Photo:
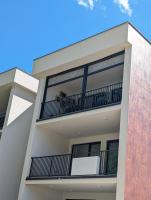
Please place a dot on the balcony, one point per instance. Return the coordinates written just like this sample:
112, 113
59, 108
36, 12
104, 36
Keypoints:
2, 119
93, 85
97, 98
67, 166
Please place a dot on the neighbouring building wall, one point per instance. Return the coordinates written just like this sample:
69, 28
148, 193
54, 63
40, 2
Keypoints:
14, 141
91, 196
138, 157
103, 138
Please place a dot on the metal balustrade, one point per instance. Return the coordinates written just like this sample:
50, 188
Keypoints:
101, 97
59, 166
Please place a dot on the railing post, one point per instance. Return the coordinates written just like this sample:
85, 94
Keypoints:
70, 166
50, 170
100, 168
84, 85
42, 109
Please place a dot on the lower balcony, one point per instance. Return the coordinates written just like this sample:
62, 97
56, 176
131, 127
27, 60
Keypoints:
69, 166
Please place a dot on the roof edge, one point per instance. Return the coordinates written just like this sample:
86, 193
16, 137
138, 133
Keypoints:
17, 76
15, 68
80, 41
127, 22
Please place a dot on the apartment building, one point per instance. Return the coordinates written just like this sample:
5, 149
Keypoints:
17, 95
90, 137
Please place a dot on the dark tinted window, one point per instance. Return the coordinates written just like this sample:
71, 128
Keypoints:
85, 150
112, 156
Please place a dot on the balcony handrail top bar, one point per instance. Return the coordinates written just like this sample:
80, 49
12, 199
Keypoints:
66, 154
70, 177
102, 151
78, 94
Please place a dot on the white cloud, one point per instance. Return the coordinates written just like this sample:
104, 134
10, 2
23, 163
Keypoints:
124, 6
87, 3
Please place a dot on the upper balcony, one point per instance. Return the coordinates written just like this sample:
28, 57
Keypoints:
94, 85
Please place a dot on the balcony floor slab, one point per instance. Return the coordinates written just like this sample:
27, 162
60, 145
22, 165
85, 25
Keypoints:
106, 184
93, 122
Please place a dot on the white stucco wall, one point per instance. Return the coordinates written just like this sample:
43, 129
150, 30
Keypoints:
40, 193
45, 193
48, 143
87, 196
19, 77
83, 52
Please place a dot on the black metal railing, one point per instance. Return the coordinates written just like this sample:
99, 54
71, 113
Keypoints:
108, 95
2, 119
60, 165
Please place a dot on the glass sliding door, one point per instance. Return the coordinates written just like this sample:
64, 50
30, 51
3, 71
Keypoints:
112, 156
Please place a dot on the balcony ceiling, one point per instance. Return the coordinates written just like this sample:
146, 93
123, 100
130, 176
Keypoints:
97, 121
79, 185
4, 96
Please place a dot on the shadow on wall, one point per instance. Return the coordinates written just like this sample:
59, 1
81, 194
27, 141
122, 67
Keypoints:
18, 107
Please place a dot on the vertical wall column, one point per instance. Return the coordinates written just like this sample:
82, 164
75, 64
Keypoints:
123, 126
138, 154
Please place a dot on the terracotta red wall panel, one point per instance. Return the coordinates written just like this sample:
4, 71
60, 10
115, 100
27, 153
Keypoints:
138, 158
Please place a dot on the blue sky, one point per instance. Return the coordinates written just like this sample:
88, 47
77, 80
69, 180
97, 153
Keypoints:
32, 28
